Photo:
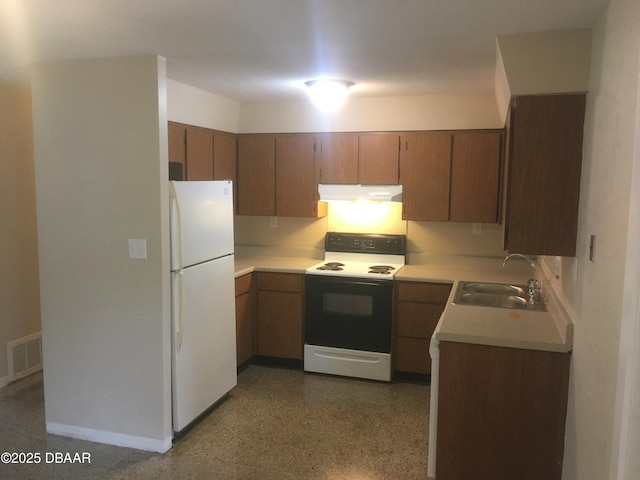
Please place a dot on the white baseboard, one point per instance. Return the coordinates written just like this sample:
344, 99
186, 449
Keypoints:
110, 438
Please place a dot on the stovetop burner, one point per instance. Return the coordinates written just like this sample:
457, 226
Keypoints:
361, 255
332, 266
381, 269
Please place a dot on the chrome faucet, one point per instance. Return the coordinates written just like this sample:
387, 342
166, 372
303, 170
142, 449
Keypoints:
534, 294
519, 255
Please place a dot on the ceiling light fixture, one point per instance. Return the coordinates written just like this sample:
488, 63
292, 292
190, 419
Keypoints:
328, 94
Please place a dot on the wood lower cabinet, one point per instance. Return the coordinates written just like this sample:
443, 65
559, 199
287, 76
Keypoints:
280, 315
245, 318
542, 174
501, 413
418, 307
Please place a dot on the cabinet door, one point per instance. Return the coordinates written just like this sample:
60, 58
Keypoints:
177, 150
280, 324
425, 168
475, 176
502, 410
378, 157
279, 310
418, 309
176, 132
296, 176
245, 319
224, 157
256, 175
339, 153
199, 153
543, 187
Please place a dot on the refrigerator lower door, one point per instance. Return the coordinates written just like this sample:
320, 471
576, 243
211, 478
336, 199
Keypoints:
204, 338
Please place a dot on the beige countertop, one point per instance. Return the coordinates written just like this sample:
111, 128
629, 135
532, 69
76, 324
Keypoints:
549, 331
247, 264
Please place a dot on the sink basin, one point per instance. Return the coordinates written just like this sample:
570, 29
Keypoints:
495, 288
497, 295
493, 300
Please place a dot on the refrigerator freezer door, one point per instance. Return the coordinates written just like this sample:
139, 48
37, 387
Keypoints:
201, 222
204, 344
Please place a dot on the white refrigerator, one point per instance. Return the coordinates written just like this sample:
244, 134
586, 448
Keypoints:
202, 297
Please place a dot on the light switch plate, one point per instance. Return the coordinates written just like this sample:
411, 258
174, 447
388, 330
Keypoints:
138, 248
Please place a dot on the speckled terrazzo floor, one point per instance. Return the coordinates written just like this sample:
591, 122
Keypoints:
278, 423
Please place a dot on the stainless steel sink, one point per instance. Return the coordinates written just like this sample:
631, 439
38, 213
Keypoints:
498, 295
495, 288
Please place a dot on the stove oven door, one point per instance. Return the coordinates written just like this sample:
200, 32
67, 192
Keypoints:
349, 313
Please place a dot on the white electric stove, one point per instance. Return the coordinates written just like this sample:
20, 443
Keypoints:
349, 305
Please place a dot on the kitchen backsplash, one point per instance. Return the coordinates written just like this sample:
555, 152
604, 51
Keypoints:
429, 239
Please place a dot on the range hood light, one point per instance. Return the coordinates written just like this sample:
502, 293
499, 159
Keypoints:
360, 193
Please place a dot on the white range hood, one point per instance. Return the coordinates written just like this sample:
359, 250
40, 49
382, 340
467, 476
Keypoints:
355, 193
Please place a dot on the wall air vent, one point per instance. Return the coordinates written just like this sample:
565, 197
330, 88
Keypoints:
24, 356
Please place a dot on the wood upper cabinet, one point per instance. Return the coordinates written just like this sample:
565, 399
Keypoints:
297, 175
280, 315
501, 413
204, 154
224, 157
177, 150
378, 157
199, 144
425, 170
339, 157
256, 175
475, 176
542, 182
367, 158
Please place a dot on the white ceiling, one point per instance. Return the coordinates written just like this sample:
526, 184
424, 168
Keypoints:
261, 50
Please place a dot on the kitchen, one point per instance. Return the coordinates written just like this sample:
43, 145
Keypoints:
595, 296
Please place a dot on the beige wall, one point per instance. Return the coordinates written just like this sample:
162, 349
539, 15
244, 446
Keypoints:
546, 62
19, 289
435, 112
100, 143
595, 428
193, 106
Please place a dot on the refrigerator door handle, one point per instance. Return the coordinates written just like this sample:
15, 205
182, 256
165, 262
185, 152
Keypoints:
178, 313
177, 244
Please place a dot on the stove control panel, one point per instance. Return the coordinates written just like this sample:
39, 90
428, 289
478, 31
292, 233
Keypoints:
365, 242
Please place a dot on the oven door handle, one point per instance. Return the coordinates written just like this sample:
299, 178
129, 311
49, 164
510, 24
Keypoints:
353, 357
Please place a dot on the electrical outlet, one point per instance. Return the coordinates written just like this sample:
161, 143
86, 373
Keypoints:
273, 222
477, 229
